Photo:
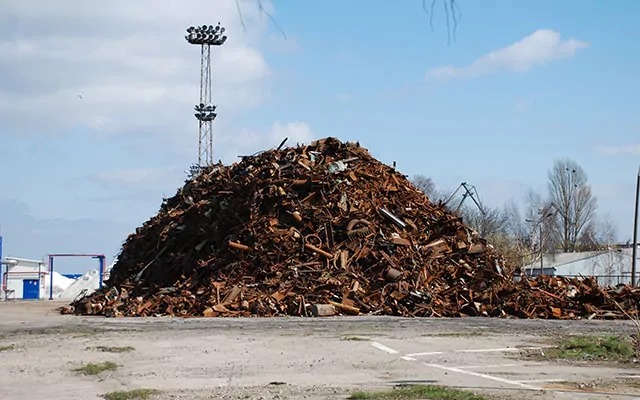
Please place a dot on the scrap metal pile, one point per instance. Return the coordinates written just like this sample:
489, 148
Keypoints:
321, 230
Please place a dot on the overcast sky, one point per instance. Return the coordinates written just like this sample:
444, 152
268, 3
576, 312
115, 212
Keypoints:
96, 101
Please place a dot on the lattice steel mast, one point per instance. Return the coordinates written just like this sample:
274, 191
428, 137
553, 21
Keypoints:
205, 36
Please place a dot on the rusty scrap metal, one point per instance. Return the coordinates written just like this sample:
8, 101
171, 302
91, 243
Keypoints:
321, 230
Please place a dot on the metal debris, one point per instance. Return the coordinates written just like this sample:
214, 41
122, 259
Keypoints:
298, 231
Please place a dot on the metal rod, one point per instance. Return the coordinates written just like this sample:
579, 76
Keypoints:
51, 278
101, 260
1, 263
635, 232
541, 252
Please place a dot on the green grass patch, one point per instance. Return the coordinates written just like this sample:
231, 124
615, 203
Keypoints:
137, 394
418, 392
7, 348
355, 338
593, 347
112, 349
95, 369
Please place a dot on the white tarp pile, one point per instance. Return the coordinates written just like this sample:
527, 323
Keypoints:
60, 284
86, 284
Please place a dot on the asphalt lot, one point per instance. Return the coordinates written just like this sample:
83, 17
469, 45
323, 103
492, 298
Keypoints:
294, 358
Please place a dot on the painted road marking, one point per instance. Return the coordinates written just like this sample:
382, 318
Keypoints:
543, 380
504, 350
487, 366
382, 347
485, 376
507, 349
432, 353
408, 357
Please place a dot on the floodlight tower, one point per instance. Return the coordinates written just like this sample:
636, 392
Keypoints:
205, 36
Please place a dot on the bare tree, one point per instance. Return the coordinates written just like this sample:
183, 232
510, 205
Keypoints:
572, 200
517, 228
610, 260
428, 187
607, 232
491, 223
452, 14
500, 228
539, 230
424, 184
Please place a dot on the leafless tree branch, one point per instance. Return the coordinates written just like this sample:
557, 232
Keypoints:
573, 202
452, 14
451, 10
263, 11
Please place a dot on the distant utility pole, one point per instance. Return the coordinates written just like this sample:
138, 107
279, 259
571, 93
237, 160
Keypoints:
635, 232
205, 36
539, 224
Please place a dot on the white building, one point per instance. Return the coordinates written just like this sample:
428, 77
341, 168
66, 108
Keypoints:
30, 280
610, 267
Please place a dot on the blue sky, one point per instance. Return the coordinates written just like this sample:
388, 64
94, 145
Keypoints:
524, 83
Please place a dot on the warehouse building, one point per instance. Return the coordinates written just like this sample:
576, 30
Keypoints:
610, 267
23, 279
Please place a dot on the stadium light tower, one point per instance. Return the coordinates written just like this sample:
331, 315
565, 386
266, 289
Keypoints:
205, 36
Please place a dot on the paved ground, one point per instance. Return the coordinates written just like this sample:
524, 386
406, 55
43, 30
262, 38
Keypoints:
292, 358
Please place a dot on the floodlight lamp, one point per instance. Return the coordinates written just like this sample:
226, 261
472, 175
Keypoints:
224, 39
222, 30
191, 29
210, 28
204, 28
217, 28
201, 105
209, 108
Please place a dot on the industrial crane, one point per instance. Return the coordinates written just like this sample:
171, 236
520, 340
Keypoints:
469, 191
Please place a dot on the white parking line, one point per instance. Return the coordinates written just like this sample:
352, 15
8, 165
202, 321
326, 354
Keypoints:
490, 377
503, 350
408, 357
431, 353
382, 347
488, 350
487, 366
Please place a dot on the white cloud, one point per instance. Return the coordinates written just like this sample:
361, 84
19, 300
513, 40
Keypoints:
139, 178
249, 142
30, 237
625, 150
539, 48
128, 61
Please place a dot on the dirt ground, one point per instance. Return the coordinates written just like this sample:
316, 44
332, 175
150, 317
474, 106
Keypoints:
293, 358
